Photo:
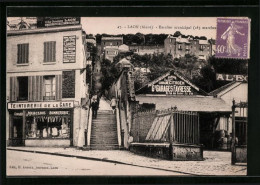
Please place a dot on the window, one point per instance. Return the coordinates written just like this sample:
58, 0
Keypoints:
49, 51
49, 87
22, 88
179, 47
48, 124
22, 53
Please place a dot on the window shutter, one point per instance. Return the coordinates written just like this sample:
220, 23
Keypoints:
13, 89
30, 89
41, 89
58, 87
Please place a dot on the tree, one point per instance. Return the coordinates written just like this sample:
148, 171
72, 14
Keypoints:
177, 34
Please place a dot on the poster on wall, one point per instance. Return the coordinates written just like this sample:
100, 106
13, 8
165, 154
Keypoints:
69, 49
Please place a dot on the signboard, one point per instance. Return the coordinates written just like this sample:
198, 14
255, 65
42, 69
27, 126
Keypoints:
42, 105
69, 49
43, 113
229, 77
172, 83
43, 22
172, 86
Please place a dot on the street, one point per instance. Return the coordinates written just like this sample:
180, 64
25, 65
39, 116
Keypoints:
30, 164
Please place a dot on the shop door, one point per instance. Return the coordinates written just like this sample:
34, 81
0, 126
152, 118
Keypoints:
17, 132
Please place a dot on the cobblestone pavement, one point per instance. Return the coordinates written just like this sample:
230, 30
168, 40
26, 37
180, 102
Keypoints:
214, 163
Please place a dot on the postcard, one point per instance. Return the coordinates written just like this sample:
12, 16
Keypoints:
127, 96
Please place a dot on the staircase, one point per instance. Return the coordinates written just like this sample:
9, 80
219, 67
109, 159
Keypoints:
104, 131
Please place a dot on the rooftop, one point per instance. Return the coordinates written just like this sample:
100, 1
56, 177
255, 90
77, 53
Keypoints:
43, 30
186, 103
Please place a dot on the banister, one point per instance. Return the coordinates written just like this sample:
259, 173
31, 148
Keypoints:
118, 127
89, 126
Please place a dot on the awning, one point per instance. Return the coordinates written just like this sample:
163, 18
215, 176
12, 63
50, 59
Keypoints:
186, 103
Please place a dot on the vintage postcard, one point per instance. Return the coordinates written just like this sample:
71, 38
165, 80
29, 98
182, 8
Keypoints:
127, 96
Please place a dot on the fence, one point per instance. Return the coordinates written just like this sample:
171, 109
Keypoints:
166, 126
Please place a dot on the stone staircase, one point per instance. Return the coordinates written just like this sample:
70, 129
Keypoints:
104, 131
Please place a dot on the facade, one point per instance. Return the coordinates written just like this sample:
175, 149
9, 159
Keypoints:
237, 91
46, 85
110, 41
179, 47
110, 52
142, 50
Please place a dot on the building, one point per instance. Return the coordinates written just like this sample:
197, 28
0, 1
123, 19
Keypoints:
123, 64
237, 91
110, 52
46, 86
173, 90
179, 47
110, 41
19, 23
91, 40
142, 50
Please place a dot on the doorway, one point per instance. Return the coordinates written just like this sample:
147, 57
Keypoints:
17, 132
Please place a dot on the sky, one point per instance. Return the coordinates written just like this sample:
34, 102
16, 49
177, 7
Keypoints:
156, 25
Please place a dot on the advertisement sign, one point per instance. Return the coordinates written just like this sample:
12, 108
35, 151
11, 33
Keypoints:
57, 21
42, 105
69, 49
171, 85
229, 77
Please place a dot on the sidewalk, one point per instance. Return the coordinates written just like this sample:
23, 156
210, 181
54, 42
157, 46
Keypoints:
215, 163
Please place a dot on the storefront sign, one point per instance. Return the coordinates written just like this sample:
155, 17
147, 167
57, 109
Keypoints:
36, 113
41, 105
229, 77
57, 21
69, 49
59, 113
171, 85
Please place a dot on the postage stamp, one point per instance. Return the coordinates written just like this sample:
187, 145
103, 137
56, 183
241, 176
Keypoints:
233, 38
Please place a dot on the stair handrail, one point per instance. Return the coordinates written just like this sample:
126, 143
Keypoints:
89, 126
118, 127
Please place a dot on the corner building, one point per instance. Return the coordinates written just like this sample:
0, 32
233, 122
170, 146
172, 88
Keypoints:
46, 85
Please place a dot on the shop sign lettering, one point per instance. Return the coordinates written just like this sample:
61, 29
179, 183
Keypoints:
41, 105
170, 85
172, 89
229, 77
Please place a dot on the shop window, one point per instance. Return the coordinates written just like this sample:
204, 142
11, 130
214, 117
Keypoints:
23, 53
47, 127
49, 88
49, 51
22, 88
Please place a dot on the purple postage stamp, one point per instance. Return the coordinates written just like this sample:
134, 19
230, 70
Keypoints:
233, 38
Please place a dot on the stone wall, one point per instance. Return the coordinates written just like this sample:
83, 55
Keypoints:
176, 152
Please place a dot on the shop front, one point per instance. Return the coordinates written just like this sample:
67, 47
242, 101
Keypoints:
41, 127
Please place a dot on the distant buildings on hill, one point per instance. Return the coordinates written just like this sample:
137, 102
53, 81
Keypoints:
179, 47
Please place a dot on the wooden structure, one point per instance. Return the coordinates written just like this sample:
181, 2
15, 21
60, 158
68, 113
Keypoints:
178, 130
239, 132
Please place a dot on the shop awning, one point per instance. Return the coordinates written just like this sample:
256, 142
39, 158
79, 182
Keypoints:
187, 103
